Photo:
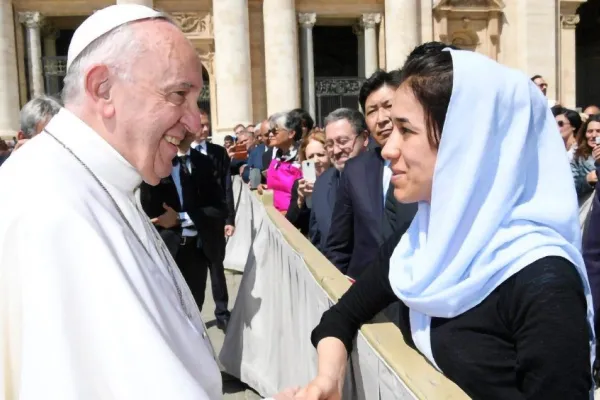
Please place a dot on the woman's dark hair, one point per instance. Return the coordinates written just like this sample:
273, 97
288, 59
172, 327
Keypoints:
306, 120
574, 119
557, 110
428, 73
583, 148
429, 48
295, 123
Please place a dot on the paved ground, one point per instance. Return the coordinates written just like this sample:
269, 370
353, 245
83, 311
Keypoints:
233, 389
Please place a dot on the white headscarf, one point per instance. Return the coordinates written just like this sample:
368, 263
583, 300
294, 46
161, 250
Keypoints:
502, 198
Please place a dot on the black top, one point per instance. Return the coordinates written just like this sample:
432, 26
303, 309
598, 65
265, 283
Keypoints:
529, 339
298, 216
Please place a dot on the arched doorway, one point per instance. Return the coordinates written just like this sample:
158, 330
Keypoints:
337, 80
587, 38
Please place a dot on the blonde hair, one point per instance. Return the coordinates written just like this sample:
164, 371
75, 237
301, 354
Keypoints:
315, 135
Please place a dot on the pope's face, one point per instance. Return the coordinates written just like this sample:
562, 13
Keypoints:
157, 106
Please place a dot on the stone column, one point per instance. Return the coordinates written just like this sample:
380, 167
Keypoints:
281, 55
568, 57
307, 21
369, 23
360, 36
33, 21
50, 34
232, 65
9, 80
147, 3
402, 31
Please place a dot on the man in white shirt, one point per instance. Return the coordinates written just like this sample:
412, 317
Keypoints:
97, 309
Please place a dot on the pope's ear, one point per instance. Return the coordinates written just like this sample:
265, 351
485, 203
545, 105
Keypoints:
98, 86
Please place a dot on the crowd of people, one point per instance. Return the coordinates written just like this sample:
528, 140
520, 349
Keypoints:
464, 214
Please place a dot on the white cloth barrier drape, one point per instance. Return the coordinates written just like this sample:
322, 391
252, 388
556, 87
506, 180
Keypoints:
239, 244
278, 304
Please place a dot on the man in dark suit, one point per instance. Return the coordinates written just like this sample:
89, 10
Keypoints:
221, 167
255, 156
366, 212
346, 136
187, 208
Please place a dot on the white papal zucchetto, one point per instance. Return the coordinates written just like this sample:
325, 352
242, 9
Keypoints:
103, 21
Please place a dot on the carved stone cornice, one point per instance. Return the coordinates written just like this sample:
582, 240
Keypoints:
31, 19
194, 24
468, 5
369, 21
208, 60
569, 21
307, 20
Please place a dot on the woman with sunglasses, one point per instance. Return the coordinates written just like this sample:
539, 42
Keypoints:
492, 286
285, 129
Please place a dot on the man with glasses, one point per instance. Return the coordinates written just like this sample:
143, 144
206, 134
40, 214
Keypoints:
346, 136
366, 212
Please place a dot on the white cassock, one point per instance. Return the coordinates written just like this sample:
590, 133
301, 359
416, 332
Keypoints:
86, 311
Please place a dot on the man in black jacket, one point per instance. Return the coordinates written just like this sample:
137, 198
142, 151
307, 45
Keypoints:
366, 212
221, 168
187, 208
346, 136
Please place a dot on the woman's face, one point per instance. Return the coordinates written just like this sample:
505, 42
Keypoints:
412, 158
592, 132
280, 137
564, 126
315, 151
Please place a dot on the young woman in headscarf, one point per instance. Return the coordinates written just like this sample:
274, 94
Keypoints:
492, 285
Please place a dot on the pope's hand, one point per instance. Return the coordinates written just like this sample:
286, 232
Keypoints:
167, 220
321, 388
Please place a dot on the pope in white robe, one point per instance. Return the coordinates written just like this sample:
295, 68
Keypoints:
92, 307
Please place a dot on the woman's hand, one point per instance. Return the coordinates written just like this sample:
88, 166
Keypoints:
596, 153
591, 177
321, 388
304, 189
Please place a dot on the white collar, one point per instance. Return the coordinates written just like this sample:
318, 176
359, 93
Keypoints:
196, 144
180, 154
95, 152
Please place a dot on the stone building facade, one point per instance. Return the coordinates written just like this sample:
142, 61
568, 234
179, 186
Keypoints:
264, 56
